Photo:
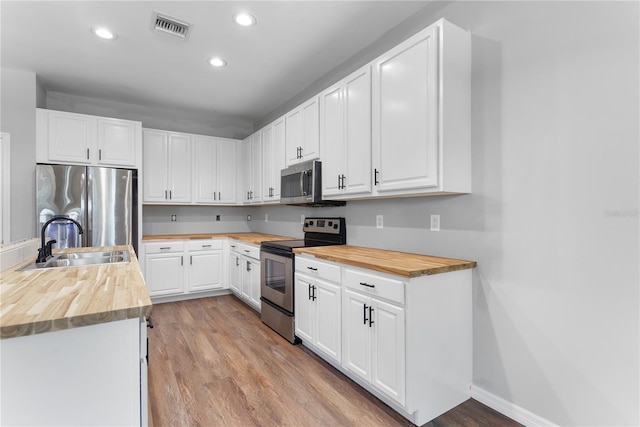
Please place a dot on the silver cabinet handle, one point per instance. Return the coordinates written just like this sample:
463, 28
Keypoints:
206, 246
87, 154
165, 248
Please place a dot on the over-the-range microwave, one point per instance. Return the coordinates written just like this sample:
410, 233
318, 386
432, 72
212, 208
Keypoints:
301, 184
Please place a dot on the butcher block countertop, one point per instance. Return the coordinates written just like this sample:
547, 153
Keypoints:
391, 262
254, 238
51, 299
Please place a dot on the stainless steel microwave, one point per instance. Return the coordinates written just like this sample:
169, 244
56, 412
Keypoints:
300, 184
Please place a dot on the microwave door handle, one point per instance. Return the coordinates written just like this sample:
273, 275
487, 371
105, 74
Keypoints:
302, 183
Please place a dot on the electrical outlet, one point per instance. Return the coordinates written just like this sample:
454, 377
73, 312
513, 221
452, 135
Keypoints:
435, 222
302, 219
266, 217
218, 217
379, 221
248, 217
174, 218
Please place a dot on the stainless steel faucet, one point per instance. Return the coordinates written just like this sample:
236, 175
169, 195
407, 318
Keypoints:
45, 249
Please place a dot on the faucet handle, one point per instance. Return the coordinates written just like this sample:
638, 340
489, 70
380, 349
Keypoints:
49, 247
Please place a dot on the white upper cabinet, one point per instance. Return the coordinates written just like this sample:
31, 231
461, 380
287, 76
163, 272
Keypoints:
252, 170
167, 167
303, 132
273, 159
421, 114
214, 170
89, 140
227, 171
116, 141
345, 136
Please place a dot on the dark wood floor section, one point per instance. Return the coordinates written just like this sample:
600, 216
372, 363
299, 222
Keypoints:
212, 362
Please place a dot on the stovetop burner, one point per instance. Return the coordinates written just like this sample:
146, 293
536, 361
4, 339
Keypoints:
318, 232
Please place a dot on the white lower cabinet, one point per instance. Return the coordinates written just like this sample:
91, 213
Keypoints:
373, 342
318, 314
164, 268
90, 375
244, 272
174, 268
406, 340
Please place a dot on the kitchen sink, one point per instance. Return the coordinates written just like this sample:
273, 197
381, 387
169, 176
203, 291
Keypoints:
77, 259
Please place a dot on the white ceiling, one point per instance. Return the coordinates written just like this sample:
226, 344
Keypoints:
293, 45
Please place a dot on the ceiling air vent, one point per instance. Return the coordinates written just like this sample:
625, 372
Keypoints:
170, 26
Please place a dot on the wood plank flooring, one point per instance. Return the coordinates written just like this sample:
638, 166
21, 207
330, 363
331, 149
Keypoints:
212, 362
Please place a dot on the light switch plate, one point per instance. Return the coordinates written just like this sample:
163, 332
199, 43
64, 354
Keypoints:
379, 221
266, 217
435, 222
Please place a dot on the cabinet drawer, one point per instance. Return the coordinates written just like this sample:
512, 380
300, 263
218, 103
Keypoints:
318, 269
245, 249
374, 285
204, 245
160, 247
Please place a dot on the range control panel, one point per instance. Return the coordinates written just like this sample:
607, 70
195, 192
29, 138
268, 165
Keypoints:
324, 225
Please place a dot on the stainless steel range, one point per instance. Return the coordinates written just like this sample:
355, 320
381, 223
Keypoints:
277, 262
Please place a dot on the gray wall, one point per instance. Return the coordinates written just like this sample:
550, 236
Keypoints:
553, 218
18, 118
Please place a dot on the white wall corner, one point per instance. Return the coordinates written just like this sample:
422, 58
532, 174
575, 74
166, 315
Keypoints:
509, 409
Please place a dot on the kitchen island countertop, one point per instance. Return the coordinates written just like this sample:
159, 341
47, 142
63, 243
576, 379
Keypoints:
52, 299
391, 262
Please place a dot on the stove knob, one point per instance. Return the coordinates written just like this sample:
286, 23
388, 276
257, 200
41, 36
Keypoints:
306, 224
330, 223
310, 222
335, 226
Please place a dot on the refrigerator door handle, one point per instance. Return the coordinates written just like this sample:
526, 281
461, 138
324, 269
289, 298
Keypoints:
89, 201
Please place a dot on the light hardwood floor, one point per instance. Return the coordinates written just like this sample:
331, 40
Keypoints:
212, 362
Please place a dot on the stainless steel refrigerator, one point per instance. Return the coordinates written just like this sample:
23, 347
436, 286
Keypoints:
102, 200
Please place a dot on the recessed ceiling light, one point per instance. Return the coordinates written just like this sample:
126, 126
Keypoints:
217, 62
103, 33
244, 19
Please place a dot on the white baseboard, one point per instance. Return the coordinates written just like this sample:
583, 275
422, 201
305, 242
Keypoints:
509, 409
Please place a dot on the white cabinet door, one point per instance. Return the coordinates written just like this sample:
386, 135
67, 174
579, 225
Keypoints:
117, 142
405, 114
388, 349
227, 173
305, 308
71, 137
303, 132
235, 273
273, 159
279, 157
311, 129
245, 281
179, 156
345, 136
356, 336
155, 173
254, 283
164, 273
332, 140
266, 135
205, 270
357, 140
204, 184
256, 168
327, 298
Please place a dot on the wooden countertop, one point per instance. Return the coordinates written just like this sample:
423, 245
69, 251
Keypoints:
254, 238
44, 300
392, 262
